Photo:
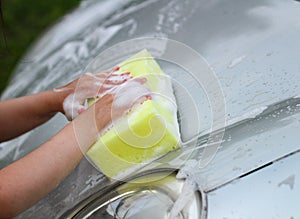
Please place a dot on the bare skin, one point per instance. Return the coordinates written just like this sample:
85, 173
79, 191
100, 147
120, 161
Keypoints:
29, 179
31, 111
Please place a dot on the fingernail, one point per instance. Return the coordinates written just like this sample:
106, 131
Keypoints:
148, 97
143, 80
126, 73
117, 68
81, 110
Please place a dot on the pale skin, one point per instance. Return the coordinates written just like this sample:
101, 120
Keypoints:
29, 179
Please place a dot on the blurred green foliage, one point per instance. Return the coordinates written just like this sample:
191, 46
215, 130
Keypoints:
23, 22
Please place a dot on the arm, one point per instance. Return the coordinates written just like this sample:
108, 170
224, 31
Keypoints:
29, 179
25, 113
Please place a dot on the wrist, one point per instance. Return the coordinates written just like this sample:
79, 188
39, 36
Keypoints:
57, 99
103, 111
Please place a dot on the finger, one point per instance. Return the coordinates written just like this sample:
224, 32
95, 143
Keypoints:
141, 80
118, 79
114, 69
148, 97
102, 75
124, 73
106, 73
144, 97
80, 109
117, 68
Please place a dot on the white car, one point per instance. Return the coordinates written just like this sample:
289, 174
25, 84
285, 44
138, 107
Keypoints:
253, 49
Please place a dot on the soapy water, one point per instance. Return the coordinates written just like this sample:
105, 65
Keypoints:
128, 94
289, 181
68, 60
90, 86
127, 97
183, 89
145, 140
189, 188
182, 92
185, 197
74, 104
190, 182
194, 83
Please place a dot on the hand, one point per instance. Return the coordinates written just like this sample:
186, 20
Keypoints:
89, 125
127, 95
89, 86
121, 99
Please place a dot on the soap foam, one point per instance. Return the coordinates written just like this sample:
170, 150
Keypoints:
90, 86
188, 190
184, 198
163, 100
125, 173
134, 92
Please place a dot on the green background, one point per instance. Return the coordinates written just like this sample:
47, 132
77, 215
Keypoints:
23, 22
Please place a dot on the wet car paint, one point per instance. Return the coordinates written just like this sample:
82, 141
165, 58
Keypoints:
252, 47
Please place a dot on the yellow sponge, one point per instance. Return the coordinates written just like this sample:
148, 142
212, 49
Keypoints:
148, 131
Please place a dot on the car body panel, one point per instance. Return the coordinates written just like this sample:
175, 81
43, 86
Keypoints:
253, 48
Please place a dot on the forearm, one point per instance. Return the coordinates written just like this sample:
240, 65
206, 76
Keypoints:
31, 178
25, 113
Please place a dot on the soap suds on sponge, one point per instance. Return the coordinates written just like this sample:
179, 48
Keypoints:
148, 131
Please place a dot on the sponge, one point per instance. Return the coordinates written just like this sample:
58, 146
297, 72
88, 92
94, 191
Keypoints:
147, 132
